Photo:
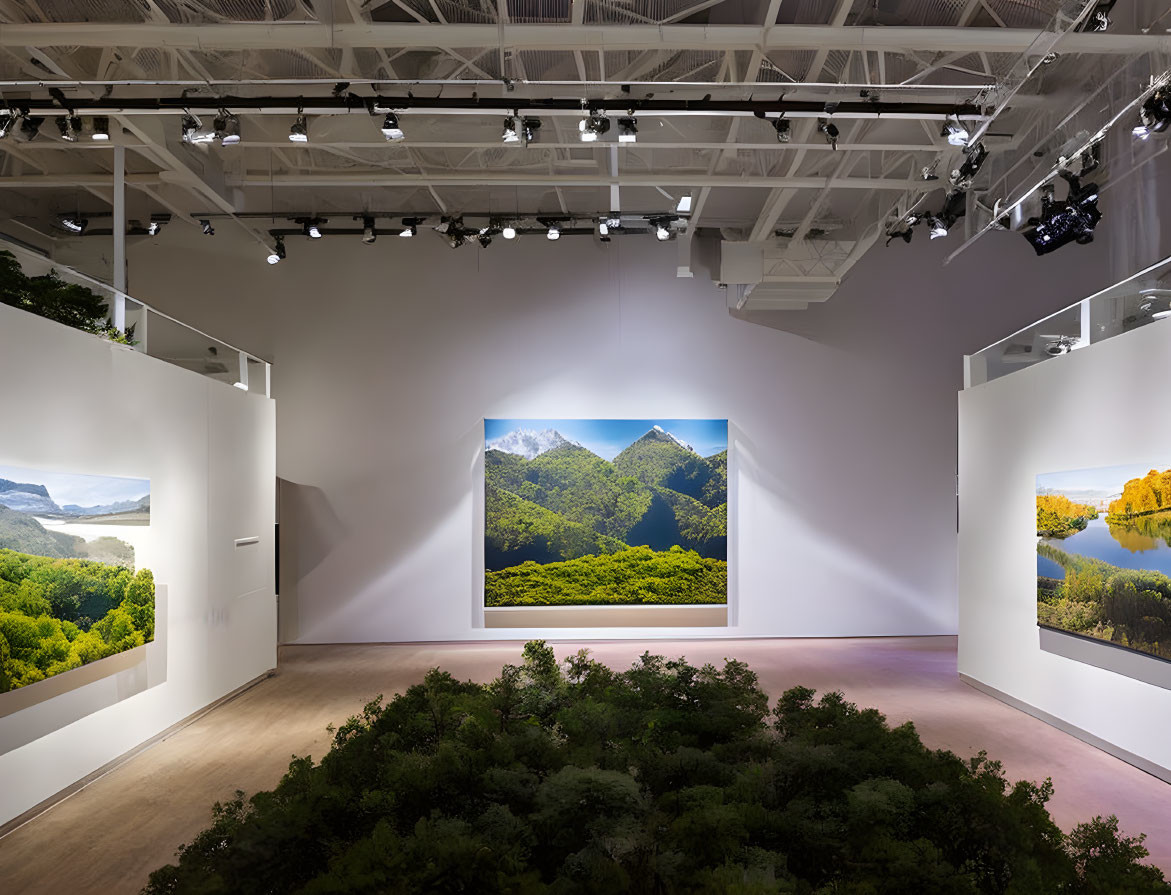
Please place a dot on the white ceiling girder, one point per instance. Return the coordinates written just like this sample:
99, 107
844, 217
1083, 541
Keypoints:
481, 178
567, 37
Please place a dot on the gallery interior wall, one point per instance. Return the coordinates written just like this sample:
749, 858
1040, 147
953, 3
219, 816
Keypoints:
842, 418
74, 403
1096, 407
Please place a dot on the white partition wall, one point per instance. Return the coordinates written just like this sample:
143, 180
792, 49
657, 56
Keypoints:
1099, 406
76, 403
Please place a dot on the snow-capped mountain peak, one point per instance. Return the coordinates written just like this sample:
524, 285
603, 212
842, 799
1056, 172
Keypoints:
682, 444
529, 443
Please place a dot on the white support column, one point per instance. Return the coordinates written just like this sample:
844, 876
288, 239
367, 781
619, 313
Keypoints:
120, 238
268, 380
615, 194
242, 380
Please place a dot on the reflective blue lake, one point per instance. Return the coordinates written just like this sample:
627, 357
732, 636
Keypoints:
1142, 544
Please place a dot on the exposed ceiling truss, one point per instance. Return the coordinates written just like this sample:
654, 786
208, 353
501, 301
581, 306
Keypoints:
697, 74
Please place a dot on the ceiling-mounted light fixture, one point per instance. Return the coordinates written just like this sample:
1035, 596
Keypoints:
553, 231
208, 229
1060, 223
955, 132
784, 132
369, 234
299, 129
74, 223
277, 254
1155, 113
410, 227
510, 133
390, 128
101, 130
627, 130
529, 128
70, 128
7, 119
485, 236
683, 206
830, 131
227, 128
662, 228
508, 231
614, 220
195, 132
311, 228
603, 230
155, 227
592, 127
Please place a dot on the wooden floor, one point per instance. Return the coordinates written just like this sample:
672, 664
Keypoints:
110, 835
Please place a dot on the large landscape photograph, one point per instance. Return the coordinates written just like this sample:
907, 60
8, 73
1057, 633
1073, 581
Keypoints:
605, 512
1104, 555
69, 590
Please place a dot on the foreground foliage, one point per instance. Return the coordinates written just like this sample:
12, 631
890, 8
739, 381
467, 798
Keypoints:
60, 614
50, 296
665, 778
1130, 607
1060, 517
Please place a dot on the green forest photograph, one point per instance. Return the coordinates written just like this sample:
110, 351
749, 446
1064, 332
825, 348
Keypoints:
1104, 555
605, 512
69, 590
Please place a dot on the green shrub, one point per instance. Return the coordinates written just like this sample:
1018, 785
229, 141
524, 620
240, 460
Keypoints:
664, 778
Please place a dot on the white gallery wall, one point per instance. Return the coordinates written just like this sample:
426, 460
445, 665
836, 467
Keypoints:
388, 357
1099, 406
74, 403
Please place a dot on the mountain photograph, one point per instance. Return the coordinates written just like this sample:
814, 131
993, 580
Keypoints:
69, 590
603, 512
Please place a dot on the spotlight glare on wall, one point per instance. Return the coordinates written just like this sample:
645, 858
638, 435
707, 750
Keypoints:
627, 130
369, 234
593, 127
101, 128
391, 129
299, 130
208, 229
278, 251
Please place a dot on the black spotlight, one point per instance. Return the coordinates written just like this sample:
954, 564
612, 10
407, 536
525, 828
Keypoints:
208, 229
1155, 114
830, 130
369, 234
783, 130
1060, 223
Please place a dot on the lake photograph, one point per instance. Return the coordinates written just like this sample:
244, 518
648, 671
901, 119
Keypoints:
605, 512
70, 592
1103, 544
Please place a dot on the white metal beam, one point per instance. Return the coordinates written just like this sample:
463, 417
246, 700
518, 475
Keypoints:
566, 37
496, 178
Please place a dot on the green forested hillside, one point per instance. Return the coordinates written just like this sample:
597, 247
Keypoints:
569, 504
58, 614
634, 575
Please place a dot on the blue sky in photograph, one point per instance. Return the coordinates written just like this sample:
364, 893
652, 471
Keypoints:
607, 438
1105, 479
83, 490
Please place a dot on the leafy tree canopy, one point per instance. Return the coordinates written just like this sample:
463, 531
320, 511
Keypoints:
666, 778
50, 296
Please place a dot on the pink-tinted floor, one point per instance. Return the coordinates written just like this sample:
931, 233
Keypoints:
109, 836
